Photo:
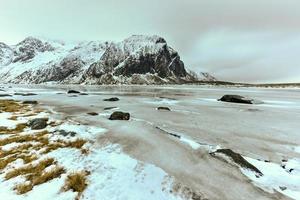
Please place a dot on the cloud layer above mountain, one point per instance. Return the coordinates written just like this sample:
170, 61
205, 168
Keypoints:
250, 41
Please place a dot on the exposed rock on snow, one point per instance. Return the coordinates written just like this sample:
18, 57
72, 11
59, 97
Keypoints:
237, 159
73, 92
30, 102
164, 108
236, 99
24, 94
112, 99
136, 60
38, 123
118, 115
109, 108
92, 113
65, 133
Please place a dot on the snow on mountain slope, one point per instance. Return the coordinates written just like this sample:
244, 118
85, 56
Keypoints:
6, 54
136, 60
204, 76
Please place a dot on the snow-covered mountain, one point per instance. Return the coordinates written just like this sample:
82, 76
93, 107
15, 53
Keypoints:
136, 60
204, 76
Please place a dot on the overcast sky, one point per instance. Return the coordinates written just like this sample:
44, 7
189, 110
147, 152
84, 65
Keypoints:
235, 40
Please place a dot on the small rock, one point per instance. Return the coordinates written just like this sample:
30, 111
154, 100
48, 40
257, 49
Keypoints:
109, 108
92, 113
236, 99
5, 95
24, 94
30, 102
282, 188
38, 123
66, 133
169, 98
112, 99
73, 92
290, 170
253, 110
284, 160
119, 116
164, 108
83, 94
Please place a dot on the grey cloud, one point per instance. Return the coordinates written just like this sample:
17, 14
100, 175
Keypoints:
229, 38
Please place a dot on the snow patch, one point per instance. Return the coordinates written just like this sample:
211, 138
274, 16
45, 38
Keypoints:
275, 177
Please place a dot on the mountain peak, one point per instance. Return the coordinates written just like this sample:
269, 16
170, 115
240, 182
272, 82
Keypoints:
145, 38
139, 59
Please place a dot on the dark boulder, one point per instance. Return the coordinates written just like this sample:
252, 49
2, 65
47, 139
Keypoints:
73, 92
30, 102
164, 108
118, 115
112, 99
282, 188
38, 123
236, 99
237, 159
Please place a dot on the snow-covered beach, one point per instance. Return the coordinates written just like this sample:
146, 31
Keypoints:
160, 154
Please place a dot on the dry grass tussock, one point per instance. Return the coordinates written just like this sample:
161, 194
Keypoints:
39, 178
19, 128
12, 106
77, 182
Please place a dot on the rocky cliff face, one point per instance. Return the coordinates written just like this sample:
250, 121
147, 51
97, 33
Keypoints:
136, 60
6, 54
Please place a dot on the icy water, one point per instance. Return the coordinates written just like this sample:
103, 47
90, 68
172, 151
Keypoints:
266, 135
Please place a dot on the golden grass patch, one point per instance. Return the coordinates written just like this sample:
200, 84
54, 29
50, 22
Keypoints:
19, 129
23, 188
5, 161
37, 178
77, 144
47, 176
30, 169
30, 148
77, 182
9, 106
14, 118
12, 106
24, 151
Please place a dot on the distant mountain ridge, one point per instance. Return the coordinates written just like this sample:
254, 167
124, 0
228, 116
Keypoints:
138, 59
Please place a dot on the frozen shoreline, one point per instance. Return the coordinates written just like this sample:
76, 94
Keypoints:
267, 132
